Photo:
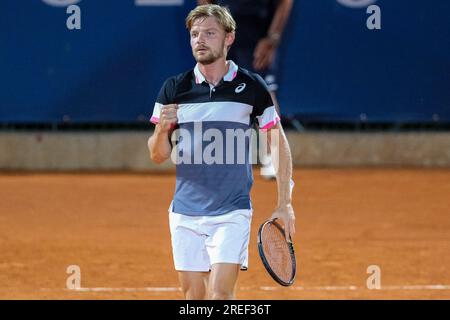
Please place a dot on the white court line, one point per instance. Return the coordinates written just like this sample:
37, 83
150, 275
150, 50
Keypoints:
148, 289
279, 288
418, 287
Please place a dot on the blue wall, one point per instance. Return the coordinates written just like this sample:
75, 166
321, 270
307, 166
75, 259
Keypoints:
333, 67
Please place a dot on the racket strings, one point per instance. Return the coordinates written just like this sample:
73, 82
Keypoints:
277, 253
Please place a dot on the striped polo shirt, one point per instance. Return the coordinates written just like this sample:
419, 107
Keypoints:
212, 140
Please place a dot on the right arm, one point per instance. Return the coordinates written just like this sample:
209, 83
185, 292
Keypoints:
158, 144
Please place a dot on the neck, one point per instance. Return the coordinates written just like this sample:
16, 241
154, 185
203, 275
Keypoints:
215, 71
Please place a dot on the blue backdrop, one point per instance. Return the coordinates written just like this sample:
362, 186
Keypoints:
333, 68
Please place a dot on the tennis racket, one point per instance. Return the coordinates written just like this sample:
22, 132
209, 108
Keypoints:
276, 253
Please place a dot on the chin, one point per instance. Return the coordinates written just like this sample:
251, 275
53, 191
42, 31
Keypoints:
205, 60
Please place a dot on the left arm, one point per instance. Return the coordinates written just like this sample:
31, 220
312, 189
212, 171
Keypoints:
282, 160
265, 49
279, 19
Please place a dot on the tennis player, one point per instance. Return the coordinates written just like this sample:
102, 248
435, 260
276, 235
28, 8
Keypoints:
211, 211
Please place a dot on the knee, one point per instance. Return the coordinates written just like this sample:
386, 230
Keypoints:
220, 295
193, 285
193, 293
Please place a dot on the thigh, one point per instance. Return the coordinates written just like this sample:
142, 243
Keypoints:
222, 280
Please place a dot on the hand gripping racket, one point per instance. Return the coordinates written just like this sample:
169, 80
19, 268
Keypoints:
276, 253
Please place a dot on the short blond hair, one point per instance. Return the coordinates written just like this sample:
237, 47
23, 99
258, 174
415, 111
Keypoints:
222, 15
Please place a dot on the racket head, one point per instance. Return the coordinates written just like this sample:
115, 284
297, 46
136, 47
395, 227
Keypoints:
277, 255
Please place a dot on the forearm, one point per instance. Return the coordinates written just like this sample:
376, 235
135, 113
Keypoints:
201, 2
280, 19
281, 155
159, 145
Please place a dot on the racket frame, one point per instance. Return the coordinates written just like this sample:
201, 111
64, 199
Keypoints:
263, 257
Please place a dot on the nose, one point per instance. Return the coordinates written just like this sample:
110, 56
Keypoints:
201, 38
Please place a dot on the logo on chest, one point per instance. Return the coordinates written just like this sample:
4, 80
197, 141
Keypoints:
240, 88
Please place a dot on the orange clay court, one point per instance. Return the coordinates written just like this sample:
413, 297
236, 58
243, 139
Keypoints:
114, 227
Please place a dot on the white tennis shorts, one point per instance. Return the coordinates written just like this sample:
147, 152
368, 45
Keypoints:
201, 241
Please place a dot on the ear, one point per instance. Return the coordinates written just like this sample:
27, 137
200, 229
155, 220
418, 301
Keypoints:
229, 39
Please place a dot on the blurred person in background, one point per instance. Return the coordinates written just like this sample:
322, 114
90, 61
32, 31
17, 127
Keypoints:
261, 24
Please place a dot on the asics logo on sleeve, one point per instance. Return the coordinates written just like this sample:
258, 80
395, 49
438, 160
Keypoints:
240, 88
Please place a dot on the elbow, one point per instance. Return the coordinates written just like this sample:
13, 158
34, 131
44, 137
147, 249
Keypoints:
153, 155
156, 159
157, 155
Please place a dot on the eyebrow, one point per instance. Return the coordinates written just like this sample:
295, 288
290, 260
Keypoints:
209, 29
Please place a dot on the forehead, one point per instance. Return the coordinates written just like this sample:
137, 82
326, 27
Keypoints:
206, 23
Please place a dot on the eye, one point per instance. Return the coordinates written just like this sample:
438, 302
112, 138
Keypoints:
194, 34
210, 33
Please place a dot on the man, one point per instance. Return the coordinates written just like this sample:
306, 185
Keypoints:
260, 24
210, 214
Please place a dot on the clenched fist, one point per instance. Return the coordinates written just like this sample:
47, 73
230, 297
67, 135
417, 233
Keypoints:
168, 117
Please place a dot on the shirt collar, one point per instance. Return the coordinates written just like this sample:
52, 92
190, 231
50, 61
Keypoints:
229, 76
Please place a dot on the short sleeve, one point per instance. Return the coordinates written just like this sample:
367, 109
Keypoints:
165, 96
264, 110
